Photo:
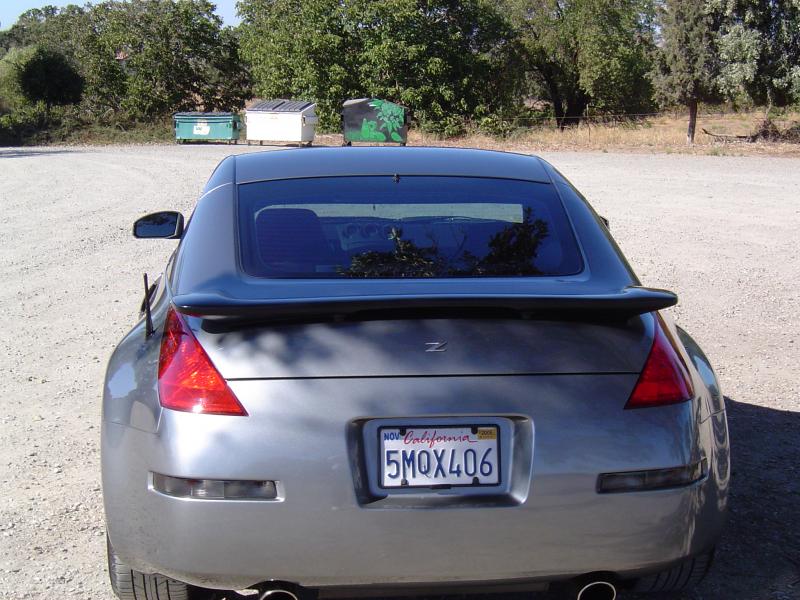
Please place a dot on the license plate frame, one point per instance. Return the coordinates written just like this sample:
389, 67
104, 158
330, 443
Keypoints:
441, 427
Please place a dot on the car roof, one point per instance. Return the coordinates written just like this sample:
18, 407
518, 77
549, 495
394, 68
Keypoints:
206, 271
370, 160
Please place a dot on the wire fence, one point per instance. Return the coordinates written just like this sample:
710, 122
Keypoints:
608, 120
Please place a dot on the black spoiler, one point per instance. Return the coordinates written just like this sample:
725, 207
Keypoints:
628, 302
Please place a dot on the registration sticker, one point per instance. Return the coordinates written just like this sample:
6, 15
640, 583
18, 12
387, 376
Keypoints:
487, 433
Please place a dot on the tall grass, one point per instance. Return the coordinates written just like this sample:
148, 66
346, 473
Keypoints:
666, 133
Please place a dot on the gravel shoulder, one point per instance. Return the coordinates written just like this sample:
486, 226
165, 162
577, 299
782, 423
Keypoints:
722, 232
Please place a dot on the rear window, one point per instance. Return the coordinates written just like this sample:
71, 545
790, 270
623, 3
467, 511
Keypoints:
378, 227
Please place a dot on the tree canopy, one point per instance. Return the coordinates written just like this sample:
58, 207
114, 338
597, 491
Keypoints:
759, 47
445, 60
47, 76
141, 59
687, 67
587, 52
155, 57
453, 63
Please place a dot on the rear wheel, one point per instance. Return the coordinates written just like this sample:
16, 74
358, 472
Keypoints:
133, 585
683, 576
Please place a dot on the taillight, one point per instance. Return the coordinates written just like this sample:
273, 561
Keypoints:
664, 379
187, 379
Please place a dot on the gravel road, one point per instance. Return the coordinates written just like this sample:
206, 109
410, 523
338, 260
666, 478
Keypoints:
723, 232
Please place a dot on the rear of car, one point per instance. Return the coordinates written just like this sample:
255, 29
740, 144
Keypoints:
401, 368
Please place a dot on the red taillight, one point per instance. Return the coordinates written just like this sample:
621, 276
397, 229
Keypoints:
187, 379
664, 379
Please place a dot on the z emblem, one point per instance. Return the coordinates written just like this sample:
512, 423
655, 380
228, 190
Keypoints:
436, 346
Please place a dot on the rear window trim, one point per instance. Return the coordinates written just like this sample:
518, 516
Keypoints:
581, 274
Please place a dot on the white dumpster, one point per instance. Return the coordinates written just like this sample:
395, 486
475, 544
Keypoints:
281, 121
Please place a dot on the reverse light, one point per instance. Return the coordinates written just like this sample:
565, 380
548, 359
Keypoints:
214, 489
187, 379
665, 378
655, 479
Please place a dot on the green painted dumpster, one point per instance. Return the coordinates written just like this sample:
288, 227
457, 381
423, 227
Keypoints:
374, 120
207, 126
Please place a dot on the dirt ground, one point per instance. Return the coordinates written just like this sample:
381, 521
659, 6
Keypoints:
723, 232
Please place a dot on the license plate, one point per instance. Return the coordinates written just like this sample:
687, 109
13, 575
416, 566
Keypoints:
439, 456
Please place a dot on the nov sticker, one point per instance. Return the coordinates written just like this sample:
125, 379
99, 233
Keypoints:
201, 129
487, 433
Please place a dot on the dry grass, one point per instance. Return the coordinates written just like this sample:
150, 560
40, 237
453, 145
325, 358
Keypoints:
660, 134
665, 134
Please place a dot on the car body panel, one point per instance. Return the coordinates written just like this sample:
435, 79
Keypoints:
322, 162
329, 530
395, 348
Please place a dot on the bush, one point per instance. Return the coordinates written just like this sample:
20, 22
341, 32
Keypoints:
11, 94
496, 125
47, 76
35, 84
28, 124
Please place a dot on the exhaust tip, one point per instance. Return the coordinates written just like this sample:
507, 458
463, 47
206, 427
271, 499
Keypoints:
597, 590
278, 594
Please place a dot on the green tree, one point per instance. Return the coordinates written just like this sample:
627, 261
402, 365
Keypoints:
687, 67
301, 49
227, 82
445, 60
68, 31
48, 27
172, 55
11, 95
759, 46
586, 52
47, 76
142, 59
99, 55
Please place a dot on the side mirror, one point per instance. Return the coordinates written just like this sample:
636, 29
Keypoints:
166, 225
605, 222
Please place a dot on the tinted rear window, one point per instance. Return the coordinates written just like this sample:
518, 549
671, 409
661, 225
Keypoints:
377, 227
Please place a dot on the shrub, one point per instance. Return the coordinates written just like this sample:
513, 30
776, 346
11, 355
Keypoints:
11, 94
27, 124
47, 76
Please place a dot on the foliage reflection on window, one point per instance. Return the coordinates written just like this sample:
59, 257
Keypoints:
512, 251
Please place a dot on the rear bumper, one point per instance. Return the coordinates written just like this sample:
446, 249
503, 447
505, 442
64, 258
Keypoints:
323, 534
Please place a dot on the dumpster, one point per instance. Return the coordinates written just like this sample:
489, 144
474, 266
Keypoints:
281, 121
207, 126
374, 120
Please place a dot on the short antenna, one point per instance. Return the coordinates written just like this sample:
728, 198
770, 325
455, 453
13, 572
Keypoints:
148, 317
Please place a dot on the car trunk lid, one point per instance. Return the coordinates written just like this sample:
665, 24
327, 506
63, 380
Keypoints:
430, 345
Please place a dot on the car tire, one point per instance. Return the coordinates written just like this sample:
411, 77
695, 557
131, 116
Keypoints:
683, 576
128, 584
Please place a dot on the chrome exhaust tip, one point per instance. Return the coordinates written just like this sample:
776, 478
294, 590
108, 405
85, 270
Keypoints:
278, 594
597, 590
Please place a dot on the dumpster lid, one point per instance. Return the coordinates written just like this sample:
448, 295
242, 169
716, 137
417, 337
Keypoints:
203, 114
280, 106
355, 101
360, 100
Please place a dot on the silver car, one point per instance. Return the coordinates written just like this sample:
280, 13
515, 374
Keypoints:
401, 370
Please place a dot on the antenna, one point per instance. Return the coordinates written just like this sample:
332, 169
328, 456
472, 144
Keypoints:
148, 318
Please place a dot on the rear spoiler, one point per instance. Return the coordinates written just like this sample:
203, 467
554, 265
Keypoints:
628, 302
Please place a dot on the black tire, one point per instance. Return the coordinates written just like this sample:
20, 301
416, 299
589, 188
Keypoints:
133, 585
683, 576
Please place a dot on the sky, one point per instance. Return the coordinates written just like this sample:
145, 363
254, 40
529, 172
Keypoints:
11, 9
